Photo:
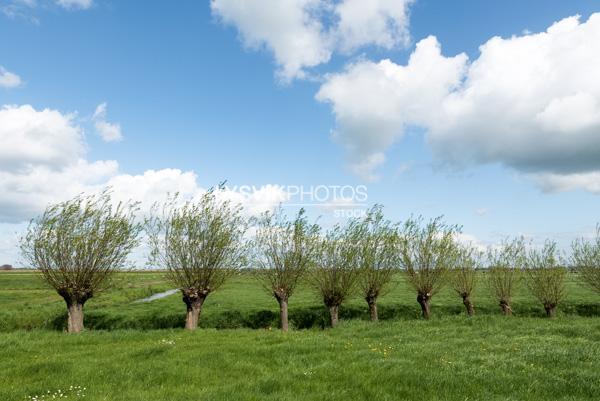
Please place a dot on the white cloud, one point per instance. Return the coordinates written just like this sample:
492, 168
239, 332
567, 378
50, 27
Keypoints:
110, 132
552, 182
380, 22
75, 4
482, 211
374, 102
154, 186
43, 160
528, 102
285, 27
305, 33
258, 200
43, 138
100, 112
27, 192
9, 79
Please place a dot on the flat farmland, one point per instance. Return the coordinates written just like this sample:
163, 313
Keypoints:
138, 350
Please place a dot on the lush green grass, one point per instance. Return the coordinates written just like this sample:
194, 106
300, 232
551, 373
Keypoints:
26, 303
450, 357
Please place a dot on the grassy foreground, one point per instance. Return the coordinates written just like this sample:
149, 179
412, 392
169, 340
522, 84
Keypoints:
485, 358
125, 357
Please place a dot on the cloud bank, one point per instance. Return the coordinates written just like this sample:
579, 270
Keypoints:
43, 160
529, 102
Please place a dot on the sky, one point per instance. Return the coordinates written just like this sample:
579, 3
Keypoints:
485, 112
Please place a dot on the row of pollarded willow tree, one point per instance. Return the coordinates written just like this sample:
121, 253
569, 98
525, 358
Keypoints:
78, 244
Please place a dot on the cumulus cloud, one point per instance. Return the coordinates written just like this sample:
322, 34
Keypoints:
26, 193
383, 23
9, 79
374, 102
529, 102
43, 160
44, 138
286, 27
305, 33
110, 132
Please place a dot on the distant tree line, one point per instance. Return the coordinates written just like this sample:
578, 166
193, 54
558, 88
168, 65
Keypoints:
78, 244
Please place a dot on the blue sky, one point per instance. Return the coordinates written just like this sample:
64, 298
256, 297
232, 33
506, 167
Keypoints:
188, 86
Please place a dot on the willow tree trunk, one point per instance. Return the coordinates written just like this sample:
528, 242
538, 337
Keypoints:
424, 300
550, 310
505, 306
372, 302
75, 321
333, 313
468, 304
194, 309
283, 314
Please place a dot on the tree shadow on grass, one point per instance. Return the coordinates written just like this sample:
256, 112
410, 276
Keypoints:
300, 318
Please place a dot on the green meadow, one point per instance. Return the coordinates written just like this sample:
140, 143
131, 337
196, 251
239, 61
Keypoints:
138, 350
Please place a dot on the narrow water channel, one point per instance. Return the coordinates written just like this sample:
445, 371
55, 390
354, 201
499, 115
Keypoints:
158, 295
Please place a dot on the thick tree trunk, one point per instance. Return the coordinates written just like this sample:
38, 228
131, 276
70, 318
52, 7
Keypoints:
372, 302
506, 309
468, 304
75, 322
333, 312
283, 314
550, 310
424, 300
193, 303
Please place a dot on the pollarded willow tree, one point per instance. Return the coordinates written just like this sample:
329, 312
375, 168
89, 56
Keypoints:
336, 271
464, 275
285, 251
377, 255
78, 244
427, 252
504, 271
586, 260
545, 276
201, 244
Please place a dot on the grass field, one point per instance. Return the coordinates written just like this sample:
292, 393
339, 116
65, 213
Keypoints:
137, 351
